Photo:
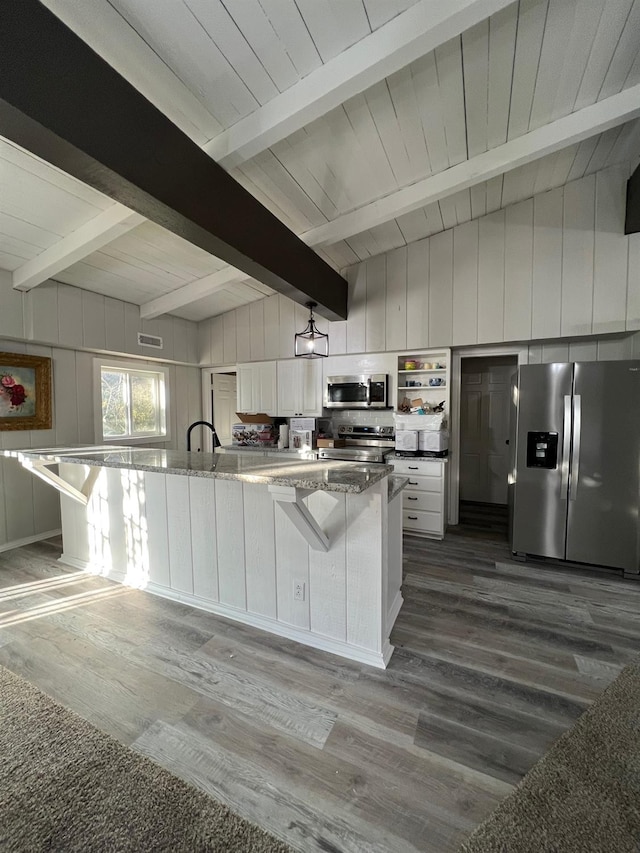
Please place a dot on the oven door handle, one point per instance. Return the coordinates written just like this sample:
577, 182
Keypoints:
369, 391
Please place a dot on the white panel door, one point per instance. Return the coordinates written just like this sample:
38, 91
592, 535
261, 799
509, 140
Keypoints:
484, 430
224, 404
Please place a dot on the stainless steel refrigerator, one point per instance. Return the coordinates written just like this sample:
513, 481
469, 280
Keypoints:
574, 491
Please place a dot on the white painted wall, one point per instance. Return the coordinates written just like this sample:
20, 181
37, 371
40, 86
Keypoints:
60, 318
556, 265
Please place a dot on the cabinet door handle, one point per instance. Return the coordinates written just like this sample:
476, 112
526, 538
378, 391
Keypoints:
413, 482
413, 467
412, 517
411, 499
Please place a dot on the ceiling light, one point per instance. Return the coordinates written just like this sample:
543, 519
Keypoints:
310, 343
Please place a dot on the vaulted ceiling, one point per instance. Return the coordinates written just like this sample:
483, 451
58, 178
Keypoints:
362, 124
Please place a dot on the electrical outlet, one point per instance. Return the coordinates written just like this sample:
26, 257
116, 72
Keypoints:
298, 590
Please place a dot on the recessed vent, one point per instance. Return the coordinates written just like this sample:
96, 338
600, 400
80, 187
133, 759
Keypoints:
149, 340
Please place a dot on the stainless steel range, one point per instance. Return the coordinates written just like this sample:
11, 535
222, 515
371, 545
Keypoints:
363, 444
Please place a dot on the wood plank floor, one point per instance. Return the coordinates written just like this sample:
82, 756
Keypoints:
494, 659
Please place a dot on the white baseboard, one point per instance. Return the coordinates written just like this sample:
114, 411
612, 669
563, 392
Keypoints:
18, 543
398, 601
307, 638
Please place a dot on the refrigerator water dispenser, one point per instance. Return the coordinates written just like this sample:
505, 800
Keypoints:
542, 450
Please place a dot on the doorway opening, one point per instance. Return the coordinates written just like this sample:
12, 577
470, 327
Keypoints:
484, 442
219, 404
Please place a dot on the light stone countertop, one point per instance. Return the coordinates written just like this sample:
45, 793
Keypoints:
242, 448
396, 485
325, 475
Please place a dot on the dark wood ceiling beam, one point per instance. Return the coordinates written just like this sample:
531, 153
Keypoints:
64, 103
632, 218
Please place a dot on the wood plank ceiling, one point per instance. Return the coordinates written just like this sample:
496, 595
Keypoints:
210, 65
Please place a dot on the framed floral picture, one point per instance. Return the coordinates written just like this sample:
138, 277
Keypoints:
25, 391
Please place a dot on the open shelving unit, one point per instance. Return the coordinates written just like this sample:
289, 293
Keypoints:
429, 393
424, 501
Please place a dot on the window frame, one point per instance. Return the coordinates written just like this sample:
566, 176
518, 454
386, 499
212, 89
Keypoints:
118, 366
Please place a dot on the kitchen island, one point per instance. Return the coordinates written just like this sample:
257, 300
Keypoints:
310, 550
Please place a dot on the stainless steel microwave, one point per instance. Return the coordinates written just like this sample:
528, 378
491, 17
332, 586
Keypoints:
366, 391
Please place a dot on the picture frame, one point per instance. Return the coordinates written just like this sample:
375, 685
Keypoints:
25, 391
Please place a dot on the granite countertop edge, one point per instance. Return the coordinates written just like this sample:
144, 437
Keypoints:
396, 485
347, 477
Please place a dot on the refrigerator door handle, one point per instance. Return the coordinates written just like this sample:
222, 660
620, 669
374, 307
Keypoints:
566, 448
575, 463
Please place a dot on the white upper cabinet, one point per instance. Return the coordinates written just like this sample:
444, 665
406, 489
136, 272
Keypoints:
288, 397
257, 387
300, 388
245, 387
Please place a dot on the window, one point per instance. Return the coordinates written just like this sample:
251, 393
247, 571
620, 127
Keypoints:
131, 402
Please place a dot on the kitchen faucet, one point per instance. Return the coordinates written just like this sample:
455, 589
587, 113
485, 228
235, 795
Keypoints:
216, 440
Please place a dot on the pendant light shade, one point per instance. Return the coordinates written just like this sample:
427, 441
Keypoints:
310, 343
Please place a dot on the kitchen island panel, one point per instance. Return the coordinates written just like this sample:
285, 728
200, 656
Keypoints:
227, 546
328, 569
154, 504
230, 522
366, 546
180, 561
260, 551
117, 538
204, 552
292, 566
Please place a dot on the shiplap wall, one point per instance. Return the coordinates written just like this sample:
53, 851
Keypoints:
29, 507
59, 314
556, 265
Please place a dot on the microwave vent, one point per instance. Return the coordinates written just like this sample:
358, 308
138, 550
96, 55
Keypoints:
153, 341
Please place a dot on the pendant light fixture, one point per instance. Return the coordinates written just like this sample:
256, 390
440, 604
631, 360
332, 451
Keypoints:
310, 343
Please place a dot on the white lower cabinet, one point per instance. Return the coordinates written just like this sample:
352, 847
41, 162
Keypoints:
424, 501
257, 385
300, 388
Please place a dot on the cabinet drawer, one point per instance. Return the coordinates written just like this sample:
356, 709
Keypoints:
412, 500
424, 484
420, 520
423, 469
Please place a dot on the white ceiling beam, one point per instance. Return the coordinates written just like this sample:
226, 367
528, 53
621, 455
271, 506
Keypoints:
559, 134
93, 235
409, 36
422, 28
191, 292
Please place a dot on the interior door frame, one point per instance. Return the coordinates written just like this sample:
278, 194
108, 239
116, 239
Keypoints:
521, 352
207, 409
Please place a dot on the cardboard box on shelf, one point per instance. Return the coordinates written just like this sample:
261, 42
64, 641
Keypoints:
302, 424
259, 418
331, 442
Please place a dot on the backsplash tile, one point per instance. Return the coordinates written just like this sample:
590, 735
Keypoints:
361, 416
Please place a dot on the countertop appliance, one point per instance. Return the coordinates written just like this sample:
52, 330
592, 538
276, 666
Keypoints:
364, 443
364, 391
574, 491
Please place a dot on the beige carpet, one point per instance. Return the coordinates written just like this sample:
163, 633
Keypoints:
66, 786
583, 796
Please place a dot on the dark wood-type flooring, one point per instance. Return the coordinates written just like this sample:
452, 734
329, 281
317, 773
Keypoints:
494, 659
